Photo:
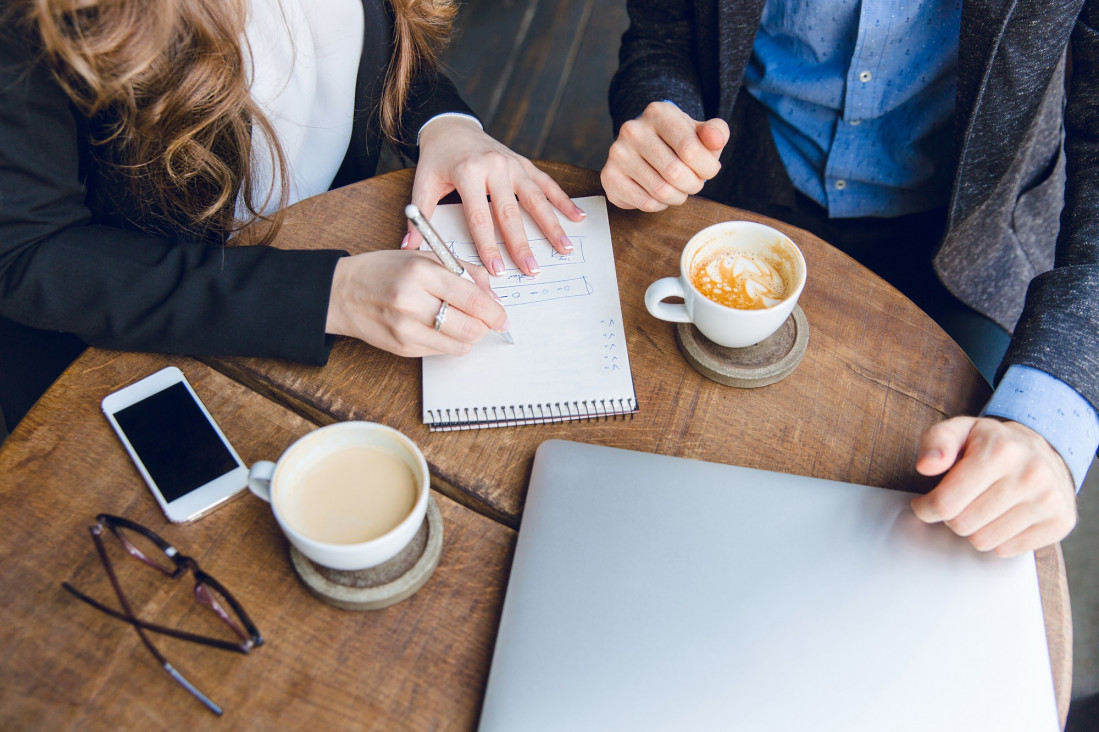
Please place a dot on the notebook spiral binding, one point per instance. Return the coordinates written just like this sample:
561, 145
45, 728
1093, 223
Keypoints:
471, 418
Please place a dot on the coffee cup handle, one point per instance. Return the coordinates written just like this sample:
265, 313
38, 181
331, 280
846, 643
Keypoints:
664, 288
259, 479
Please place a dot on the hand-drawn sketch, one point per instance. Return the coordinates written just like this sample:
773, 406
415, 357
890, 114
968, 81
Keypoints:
532, 292
610, 359
546, 255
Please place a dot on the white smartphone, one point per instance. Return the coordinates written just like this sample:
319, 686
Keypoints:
177, 446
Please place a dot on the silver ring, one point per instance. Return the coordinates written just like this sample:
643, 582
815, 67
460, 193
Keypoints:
441, 316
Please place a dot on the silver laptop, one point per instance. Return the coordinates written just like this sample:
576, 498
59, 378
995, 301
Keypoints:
657, 593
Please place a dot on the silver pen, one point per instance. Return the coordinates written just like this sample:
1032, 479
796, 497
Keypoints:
452, 263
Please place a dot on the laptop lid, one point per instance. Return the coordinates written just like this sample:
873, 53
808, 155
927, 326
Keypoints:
651, 592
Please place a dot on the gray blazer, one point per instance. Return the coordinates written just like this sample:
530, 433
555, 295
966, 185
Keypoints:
1025, 151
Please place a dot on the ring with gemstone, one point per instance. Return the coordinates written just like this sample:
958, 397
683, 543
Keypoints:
441, 316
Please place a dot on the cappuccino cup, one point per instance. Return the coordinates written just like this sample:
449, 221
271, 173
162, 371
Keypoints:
349, 495
739, 281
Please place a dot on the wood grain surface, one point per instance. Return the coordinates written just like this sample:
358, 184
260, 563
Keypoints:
421, 664
877, 372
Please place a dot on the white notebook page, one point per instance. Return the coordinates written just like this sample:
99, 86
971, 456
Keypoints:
569, 359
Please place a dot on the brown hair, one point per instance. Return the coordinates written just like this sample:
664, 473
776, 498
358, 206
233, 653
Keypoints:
421, 29
173, 80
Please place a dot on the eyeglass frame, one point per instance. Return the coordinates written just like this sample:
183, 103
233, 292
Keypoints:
245, 630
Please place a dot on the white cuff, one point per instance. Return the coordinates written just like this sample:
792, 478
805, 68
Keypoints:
446, 114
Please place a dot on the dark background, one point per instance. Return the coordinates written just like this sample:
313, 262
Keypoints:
537, 73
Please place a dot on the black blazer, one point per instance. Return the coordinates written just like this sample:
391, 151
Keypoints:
77, 256
1009, 251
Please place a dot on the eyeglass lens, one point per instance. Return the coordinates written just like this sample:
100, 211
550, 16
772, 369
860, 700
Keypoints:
145, 549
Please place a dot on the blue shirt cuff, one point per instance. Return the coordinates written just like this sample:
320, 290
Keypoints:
1054, 410
664, 101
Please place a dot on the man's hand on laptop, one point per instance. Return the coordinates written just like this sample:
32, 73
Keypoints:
1005, 488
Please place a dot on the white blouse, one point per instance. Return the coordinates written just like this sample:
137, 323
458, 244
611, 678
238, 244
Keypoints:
303, 59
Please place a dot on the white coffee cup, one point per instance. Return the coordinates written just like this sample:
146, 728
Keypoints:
274, 483
724, 325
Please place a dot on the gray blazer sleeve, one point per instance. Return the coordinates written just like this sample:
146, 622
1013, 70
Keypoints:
657, 61
1058, 331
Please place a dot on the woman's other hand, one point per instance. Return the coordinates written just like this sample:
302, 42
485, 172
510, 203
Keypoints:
390, 299
455, 154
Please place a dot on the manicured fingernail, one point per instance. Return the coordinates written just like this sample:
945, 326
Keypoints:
496, 266
579, 210
566, 243
507, 325
404, 242
498, 298
532, 265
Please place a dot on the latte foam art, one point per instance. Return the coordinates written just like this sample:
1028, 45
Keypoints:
739, 280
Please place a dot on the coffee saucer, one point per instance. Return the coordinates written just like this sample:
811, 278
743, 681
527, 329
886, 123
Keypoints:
771, 360
377, 587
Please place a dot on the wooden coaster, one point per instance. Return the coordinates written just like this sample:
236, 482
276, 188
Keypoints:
747, 368
388, 583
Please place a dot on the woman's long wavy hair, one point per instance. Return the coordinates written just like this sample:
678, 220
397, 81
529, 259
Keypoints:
172, 78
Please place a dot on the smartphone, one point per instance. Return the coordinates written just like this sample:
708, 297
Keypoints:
177, 446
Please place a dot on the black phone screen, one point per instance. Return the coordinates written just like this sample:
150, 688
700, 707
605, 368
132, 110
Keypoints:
175, 441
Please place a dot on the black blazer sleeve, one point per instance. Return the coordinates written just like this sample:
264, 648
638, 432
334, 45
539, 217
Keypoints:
121, 288
431, 94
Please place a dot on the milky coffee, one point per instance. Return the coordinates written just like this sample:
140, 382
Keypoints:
355, 494
739, 279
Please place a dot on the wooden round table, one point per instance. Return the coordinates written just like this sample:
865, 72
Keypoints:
876, 374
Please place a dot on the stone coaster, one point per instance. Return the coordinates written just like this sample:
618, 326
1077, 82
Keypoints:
384, 585
764, 363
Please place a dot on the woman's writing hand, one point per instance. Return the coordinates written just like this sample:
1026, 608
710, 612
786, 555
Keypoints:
390, 299
661, 157
455, 154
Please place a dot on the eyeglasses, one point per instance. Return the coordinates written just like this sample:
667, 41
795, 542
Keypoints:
150, 549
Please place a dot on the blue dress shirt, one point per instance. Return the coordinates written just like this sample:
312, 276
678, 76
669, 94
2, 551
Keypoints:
860, 97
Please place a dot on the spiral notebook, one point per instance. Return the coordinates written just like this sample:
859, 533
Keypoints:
569, 360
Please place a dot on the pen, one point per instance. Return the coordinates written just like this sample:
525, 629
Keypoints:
442, 251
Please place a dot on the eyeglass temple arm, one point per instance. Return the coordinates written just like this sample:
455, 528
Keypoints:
191, 688
96, 536
182, 635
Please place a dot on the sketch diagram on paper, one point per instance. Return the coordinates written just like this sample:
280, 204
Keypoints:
610, 346
546, 255
532, 292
